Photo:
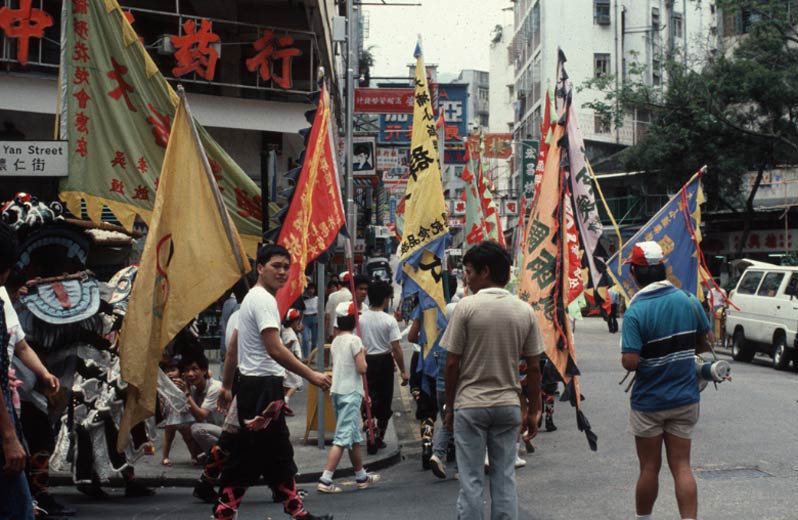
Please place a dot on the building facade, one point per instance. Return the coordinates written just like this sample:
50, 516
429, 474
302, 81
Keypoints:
252, 109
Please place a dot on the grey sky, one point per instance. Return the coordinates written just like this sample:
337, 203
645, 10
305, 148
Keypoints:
455, 34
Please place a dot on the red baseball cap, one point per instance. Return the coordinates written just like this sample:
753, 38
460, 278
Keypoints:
345, 309
646, 253
292, 314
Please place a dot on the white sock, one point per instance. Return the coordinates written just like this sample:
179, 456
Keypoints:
642, 517
361, 475
326, 477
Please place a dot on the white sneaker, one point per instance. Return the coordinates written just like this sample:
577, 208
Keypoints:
519, 462
487, 461
438, 468
371, 479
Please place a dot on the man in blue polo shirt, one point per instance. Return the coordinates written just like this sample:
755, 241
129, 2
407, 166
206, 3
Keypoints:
663, 328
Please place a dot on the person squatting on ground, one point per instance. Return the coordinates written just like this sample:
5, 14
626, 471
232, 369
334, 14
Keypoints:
15, 498
263, 445
292, 324
486, 335
663, 329
202, 392
176, 421
349, 367
380, 334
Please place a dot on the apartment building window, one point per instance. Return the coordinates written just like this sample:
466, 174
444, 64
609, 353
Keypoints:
483, 93
601, 124
656, 72
678, 25
655, 18
601, 65
601, 12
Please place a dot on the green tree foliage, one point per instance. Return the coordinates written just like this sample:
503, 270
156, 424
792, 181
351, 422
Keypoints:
734, 110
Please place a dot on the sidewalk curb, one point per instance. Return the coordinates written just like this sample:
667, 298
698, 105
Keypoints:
391, 457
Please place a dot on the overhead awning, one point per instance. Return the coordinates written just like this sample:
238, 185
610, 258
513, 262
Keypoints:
38, 95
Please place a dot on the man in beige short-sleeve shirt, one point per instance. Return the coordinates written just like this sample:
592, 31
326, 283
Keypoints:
486, 336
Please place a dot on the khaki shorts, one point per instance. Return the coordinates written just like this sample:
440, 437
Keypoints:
676, 421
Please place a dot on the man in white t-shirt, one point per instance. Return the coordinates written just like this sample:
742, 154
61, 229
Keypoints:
263, 446
380, 334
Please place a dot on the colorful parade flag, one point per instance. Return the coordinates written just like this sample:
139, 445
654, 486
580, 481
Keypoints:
548, 272
474, 218
498, 146
426, 230
316, 214
185, 242
493, 225
676, 227
116, 111
580, 180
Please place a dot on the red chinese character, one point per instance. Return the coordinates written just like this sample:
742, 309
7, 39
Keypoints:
81, 123
119, 159
771, 242
157, 183
160, 126
117, 186
81, 28
753, 241
81, 150
248, 207
23, 24
392, 132
81, 76
82, 97
79, 6
81, 52
452, 133
193, 52
141, 165
476, 235
123, 87
273, 49
142, 193
216, 170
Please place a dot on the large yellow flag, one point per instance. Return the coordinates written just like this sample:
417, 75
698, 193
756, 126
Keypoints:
426, 230
193, 254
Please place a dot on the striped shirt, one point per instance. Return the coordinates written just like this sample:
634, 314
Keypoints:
662, 325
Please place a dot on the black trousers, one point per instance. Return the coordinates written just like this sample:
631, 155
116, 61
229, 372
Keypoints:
612, 320
379, 376
266, 452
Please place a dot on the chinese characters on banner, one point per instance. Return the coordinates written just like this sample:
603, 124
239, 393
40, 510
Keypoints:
117, 117
396, 127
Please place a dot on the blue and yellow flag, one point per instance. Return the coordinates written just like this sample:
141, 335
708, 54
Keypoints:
426, 231
676, 227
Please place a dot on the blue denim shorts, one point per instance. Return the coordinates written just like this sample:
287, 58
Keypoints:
347, 419
15, 499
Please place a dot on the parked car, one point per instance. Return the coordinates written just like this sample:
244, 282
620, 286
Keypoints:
766, 317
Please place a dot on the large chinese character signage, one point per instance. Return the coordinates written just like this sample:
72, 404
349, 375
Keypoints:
117, 114
197, 47
395, 128
22, 24
529, 161
33, 158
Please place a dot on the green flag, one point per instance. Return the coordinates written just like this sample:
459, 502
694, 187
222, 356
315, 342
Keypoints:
117, 112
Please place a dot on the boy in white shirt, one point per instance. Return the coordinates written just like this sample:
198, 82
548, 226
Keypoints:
349, 367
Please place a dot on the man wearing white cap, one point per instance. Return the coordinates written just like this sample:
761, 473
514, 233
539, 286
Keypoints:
663, 329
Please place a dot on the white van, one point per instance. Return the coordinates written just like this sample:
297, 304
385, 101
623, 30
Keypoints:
767, 319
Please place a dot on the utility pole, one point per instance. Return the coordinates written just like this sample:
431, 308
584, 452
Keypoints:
351, 224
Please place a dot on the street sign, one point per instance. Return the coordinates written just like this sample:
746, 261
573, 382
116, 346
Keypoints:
34, 159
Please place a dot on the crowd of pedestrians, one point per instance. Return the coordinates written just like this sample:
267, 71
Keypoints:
492, 388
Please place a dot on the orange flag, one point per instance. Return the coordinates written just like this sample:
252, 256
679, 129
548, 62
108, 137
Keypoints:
316, 214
